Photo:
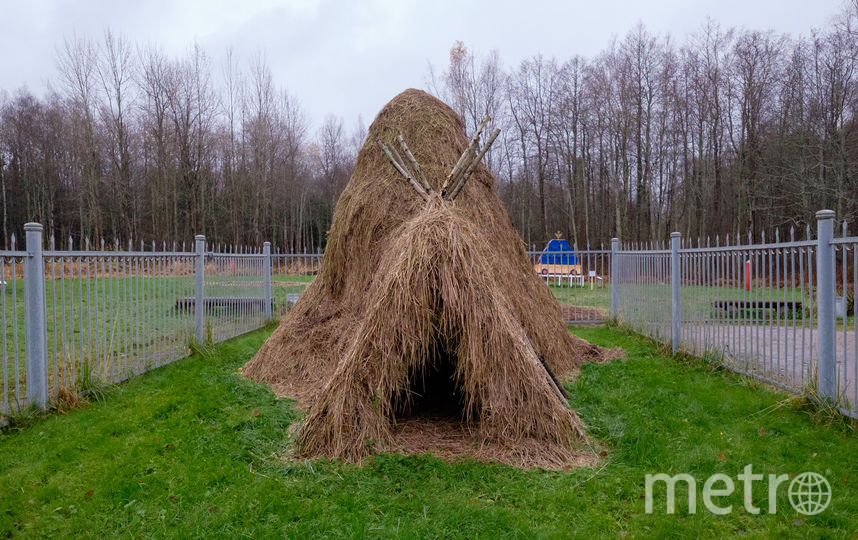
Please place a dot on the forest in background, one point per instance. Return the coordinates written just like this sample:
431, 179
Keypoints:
733, 131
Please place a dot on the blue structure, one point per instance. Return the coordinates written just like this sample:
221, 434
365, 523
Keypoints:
558, 252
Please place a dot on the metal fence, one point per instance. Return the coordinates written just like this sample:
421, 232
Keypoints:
291, 273
583, 289
779, 311
71, 319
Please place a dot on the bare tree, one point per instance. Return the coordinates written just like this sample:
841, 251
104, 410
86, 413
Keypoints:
114, 68
77, 65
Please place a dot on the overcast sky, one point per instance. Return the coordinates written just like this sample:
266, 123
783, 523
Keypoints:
349, 58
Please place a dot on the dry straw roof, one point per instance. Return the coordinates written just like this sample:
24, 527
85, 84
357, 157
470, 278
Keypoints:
426, 328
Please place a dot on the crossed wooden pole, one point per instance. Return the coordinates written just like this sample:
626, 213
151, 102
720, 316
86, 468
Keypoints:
457, 178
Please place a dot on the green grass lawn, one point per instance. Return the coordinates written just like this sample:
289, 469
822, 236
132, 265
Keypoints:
697, 303
192, 450
598, 297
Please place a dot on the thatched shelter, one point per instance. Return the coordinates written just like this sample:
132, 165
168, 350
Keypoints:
426, 327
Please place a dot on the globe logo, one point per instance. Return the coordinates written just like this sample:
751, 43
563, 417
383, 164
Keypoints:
809, 493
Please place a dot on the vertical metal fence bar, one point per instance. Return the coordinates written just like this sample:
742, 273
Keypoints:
199, 301
15, 343
235, 310
755, 321
700, 281
731, 270
688, 293
143, 307
801, 281
712, 316
854, 329
163, 312
844, 249
72, 358
676, 312
826, 363
615, 271
143, 310
794, 330
231, 313
812, 293
730, 297
750, 314
778, 310
173, 326
683, 275
113, 335
158, 318
150, 281
56, 376
3, 336
167, 315
121, 311
737, 283
134, 311
138, 353
773, 315
99, 312
122, 263
34, 309
708, 343
685, 286
83, 334
743, 276
158, 341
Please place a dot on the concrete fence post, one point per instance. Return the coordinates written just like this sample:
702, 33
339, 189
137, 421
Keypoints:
675, 296
36, 349
615, 279
825, 279
199, 300
266, 274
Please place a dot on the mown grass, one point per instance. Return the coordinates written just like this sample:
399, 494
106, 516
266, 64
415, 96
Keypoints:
582, 295
193, 450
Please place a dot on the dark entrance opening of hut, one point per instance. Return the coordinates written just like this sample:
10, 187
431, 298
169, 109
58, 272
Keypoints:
434, 391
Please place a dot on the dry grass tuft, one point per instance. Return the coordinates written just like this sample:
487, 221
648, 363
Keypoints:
68, 400
409, 290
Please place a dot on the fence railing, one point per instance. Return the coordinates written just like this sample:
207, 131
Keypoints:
779, 311
580, 281
775, 311
71, 319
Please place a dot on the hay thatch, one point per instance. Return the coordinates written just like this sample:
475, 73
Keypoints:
425, 306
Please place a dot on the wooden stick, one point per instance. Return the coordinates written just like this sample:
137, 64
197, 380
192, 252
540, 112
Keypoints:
473, 165
471, 152
459, 164
398, 159
414, 164
401, 169
466, 155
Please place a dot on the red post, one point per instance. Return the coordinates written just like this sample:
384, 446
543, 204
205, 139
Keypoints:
747, 275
